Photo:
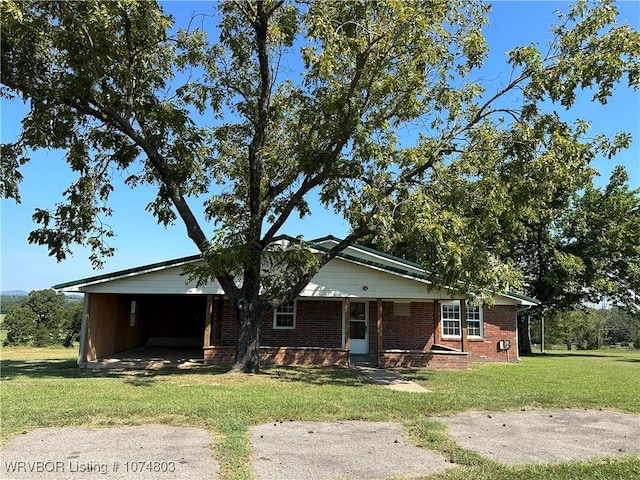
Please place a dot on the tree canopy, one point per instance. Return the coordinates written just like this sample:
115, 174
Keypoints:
219, 123
43, 318
586, 249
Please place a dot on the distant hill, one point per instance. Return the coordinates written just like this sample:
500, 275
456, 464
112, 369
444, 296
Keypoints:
14, 293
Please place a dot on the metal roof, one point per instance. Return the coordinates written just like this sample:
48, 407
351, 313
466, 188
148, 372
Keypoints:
422, 275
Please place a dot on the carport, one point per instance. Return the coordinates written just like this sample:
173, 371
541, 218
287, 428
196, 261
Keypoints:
117, 326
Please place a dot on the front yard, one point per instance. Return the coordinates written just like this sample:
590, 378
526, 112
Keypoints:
43, 387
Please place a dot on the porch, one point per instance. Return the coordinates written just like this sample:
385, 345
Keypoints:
156, 358
150, 358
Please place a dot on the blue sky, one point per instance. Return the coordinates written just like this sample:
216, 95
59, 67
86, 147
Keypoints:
140, 240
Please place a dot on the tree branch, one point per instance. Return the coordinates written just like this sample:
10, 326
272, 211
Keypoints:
332, 253
307, 185
107, 114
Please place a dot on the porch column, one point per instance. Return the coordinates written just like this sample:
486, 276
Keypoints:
463, 324
217, 335
82, 357
207, 321
347, 324
436, 322
379, 300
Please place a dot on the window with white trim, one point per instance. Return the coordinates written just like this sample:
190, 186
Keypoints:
284, 316
474, 321
450, 317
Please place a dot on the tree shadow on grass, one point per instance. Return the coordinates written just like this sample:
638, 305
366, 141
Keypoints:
56, 368
619, 356
319, 375
68, 368
553, 355
420, 375
629, 360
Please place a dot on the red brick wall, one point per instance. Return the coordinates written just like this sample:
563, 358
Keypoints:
499, 324
318, 324
304, 356
219, 355
423, 359
229, 326
224, 356
418, 332
414, 332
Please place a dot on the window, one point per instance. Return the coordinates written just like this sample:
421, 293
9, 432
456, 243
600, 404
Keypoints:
133, 314
358, 311
474, 321
285, 316
451, 326
450, 319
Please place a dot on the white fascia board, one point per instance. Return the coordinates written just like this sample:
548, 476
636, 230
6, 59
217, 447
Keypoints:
519, 301
81, 287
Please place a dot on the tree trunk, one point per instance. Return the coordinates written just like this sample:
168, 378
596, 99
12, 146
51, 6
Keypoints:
247, 358
524, 335
68, 340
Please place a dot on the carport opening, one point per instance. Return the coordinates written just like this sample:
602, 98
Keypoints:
176, 321
145, 329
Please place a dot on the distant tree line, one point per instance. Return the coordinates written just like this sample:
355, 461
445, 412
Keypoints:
6, 301
590, 329
41, 318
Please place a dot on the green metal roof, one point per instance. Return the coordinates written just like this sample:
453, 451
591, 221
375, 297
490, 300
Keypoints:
128, 271
313, 244
370, 250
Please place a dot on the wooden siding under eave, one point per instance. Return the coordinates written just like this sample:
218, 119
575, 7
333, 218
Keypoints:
107, 328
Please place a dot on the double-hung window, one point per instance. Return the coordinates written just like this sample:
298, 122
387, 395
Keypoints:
284, 316
474, 320
450, 318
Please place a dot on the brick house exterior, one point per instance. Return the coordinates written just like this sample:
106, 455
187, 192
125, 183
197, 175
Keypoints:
363, 302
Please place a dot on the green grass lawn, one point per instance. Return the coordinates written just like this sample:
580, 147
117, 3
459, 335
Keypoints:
44, 387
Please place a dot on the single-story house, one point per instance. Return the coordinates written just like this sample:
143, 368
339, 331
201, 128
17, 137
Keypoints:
363, 302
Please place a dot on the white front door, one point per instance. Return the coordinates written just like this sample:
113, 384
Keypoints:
359, 327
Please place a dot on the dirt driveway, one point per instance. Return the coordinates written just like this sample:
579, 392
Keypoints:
312, 450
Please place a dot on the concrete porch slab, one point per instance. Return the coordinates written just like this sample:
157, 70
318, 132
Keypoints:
150, 358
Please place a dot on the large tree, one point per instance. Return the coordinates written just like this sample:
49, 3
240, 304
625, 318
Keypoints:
296, 99
582, 248
586, 249
37, 320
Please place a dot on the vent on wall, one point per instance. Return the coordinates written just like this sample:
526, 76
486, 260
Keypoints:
401, 309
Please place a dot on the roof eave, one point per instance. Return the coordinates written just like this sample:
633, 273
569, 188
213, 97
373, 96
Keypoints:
78, 285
